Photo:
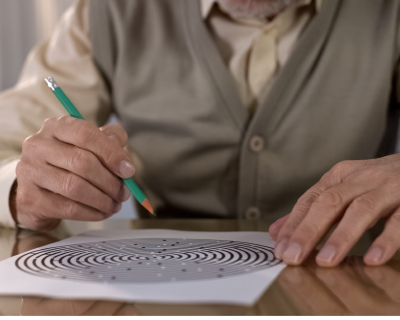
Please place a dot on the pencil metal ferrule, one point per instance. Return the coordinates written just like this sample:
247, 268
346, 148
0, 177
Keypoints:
51, 83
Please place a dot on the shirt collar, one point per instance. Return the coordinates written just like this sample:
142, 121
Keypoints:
206, 6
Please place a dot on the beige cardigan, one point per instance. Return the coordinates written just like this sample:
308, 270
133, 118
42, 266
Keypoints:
195, 145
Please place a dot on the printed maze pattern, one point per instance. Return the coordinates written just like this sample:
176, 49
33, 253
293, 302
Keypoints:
148, 260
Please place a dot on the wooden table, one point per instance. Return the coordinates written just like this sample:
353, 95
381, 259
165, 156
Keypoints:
350, 289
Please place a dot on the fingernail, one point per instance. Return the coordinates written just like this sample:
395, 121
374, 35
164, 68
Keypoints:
292, 254
116, 207
280, 248
127, 194
126, 169
374, 255
326, 255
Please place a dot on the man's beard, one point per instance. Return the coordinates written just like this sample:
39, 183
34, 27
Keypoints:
254, 9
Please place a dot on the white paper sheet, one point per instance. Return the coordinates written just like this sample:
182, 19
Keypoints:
147, 265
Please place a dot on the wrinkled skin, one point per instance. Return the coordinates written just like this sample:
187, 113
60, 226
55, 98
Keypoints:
354, 195
71, 170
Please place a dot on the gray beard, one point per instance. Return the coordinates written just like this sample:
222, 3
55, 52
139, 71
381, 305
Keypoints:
254, 9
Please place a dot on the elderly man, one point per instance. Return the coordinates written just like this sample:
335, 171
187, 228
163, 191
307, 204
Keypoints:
248, 109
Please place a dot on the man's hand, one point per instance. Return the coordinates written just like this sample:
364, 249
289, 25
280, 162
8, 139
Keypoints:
354, 194
71, 170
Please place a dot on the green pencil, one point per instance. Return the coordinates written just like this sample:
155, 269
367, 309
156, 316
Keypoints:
69, 106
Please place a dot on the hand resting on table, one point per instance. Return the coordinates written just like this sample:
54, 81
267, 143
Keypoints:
354, 195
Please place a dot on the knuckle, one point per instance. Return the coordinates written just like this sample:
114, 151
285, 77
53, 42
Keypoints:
306, 232
83, 132
342, 166
31, 143
289, 228
20, 169
68, 122
363, 206
329, 199
291, 225
71, 209
80, 160
86, 132
37, 221
111, 156
48, 123
63, 118
107, 205
115, 187
295, 221
71, 185
118, 131
124, 137
23, 196
306, 200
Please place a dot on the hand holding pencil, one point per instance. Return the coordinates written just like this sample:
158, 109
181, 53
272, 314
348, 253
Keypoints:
68, 105
72, 170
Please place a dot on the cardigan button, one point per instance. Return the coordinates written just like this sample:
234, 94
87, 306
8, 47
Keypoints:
256, 144
253, 213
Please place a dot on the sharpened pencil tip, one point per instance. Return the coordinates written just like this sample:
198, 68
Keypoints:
147, 205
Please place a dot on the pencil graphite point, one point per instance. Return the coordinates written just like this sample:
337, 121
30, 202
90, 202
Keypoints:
147, 205
73, 111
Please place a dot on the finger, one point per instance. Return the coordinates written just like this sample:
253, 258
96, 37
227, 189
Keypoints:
297, 215
41, 207
86, 165
75, 188
309, 293
386, 278
87, 136
70, 209
116, 133
362, 213
323, 214
386, 245
276, 226
332, 178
